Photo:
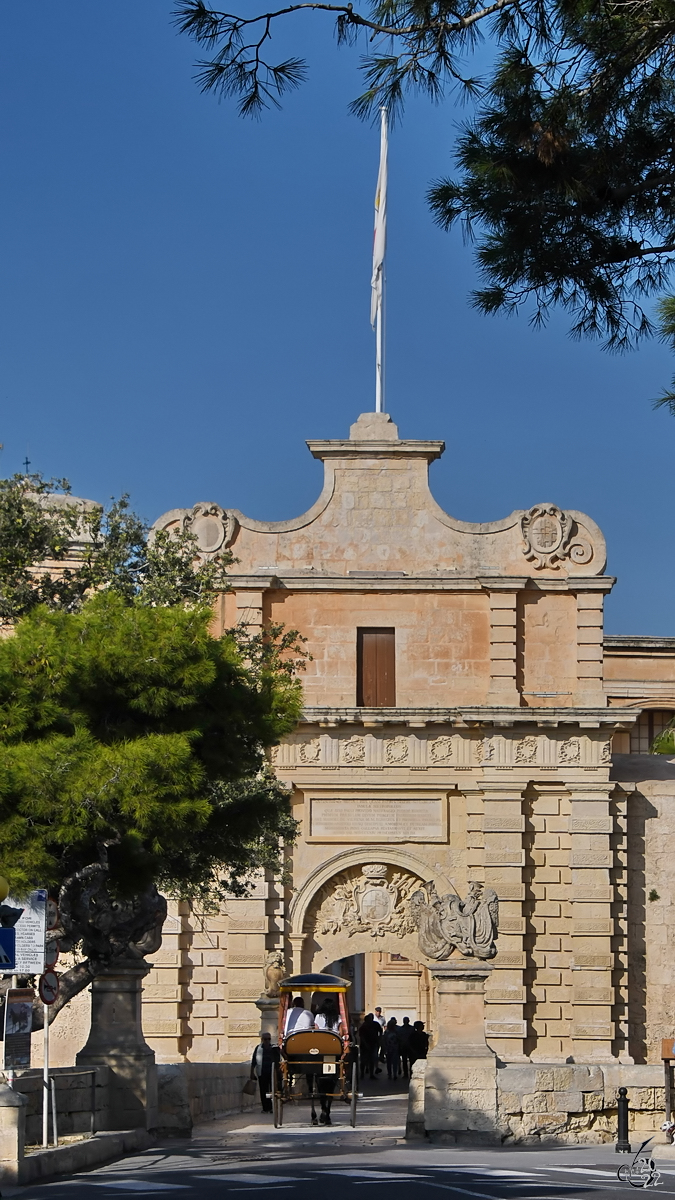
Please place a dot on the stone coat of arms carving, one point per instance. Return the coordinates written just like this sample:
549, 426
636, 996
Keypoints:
379, 900
446, 923
550, 536
370, 902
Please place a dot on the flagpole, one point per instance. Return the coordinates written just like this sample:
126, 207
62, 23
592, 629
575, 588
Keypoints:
379, 355
379, 246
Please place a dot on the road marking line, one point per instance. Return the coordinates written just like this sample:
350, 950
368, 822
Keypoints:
249, 1177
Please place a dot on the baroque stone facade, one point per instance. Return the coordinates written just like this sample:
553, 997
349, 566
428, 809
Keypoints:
503, 769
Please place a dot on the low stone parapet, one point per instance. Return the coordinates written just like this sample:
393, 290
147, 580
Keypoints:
189, 1093
81, 1100
568, 1103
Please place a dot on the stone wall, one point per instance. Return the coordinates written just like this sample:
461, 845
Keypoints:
573, 1104
189, 1093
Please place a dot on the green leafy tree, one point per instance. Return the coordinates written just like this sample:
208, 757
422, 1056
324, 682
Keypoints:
566, 179
133, 740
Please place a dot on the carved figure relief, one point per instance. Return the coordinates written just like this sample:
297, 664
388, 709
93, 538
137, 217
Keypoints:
213, 527
274, 972
354, 750
569, 751
551, 535
526, 750
606, 753
440, 750
396, 750
446, 923
376, 901
309, 752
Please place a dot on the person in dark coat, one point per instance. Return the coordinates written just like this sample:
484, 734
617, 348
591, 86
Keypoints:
404, 1036
262, 1063
392, 1049
370, 1033
418, 1046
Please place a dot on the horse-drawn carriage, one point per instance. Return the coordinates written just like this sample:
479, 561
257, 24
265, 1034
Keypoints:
323, 1057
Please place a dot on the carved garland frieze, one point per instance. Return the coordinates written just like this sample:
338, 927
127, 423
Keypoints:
550, 536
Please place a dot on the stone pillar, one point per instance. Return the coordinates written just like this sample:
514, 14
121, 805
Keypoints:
591, 861
12, 1133
269, 1016
460, 1083
504, 832
116, 1041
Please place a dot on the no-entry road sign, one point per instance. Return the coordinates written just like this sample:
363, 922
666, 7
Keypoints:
48, 987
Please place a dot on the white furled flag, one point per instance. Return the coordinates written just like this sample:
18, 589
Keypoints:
380, 237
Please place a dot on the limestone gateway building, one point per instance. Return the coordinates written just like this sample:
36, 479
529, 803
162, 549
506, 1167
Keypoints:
467, 731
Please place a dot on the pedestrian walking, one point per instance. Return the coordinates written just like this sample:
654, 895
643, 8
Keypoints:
370, 1033
404, 1036
262, 1064
391, 1047
382, 1021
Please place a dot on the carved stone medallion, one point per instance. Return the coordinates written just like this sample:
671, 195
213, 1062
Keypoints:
550, 536
569, 751
212, 527
526, 750
440, 750
396, 750
372, 899
309, 752
354, 750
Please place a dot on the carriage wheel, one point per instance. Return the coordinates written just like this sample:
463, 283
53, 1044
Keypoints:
355, 1095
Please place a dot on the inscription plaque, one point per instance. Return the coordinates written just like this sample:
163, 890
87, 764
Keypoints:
372, 819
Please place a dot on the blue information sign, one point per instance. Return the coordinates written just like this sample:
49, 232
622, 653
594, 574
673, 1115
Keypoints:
7, 951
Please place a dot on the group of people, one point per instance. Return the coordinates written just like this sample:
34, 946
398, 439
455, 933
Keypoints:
398, 1046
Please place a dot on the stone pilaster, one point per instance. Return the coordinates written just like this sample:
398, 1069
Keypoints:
591, 861
590, 690
503, 833
503, 648
249, 602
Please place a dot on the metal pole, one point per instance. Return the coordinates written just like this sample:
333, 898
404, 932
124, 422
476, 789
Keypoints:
93, 1103
54, 1128
622, 1143
45, 1077
379, 364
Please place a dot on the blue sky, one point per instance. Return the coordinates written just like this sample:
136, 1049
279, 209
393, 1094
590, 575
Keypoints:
185, 299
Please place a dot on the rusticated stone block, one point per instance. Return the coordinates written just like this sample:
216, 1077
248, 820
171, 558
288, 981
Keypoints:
509, 1102
537, 1102
544, 1080
569, 1101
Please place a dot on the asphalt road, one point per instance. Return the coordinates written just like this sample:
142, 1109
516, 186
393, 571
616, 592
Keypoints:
246, 1154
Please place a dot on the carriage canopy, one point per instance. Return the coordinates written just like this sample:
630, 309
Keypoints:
314, 982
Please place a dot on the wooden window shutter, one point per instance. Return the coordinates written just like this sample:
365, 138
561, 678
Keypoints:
375, 668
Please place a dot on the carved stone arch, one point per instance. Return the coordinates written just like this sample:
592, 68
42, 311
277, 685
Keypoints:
394, 857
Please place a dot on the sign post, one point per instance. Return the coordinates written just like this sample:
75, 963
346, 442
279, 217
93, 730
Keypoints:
49, 990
